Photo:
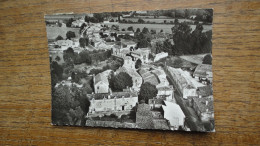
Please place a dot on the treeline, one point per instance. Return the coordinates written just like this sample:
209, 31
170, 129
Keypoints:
186, 41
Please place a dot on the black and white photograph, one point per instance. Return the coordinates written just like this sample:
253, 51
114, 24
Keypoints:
135, 69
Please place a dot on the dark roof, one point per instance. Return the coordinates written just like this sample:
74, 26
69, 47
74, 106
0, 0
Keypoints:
205, 90
161, 124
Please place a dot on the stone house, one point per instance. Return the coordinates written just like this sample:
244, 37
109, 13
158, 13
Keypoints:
203, 73
113, 102
101, 84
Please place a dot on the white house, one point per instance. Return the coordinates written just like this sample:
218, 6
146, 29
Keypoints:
174, 114
101, 84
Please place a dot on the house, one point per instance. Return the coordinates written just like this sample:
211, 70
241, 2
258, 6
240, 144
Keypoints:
122, 33
128, 44
101, 84
166, 93
142, 54
160, 56
185, 83
174, 114
160, 74
112, 102
161, 124
204, 108
150, 77
65, 44
155, 103
203, 72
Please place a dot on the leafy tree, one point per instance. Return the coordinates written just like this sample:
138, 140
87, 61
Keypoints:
138, 30
56, 70
70, 34
59, 38
145, 30
121, 81
176, 21
130, 28
68, 54
147, 91
57, 58
68, 24
83, 42
207, 59
138, 64
182, 39
140, 20
153, 31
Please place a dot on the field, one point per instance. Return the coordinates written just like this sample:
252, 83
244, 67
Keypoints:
157, 27
53, 32
159, 20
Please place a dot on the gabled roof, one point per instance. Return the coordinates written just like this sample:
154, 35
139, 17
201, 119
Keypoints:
201, 70
130, 71
102, 77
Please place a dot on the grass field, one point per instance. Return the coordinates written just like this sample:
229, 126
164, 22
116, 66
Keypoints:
53, 32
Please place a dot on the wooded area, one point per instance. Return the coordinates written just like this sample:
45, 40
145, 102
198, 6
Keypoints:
25, 82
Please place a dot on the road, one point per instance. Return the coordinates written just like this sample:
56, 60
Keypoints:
192, 120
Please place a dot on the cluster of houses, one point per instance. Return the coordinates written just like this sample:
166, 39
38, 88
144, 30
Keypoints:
161, 111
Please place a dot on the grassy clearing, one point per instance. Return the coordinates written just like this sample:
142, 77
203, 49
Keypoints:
53, 32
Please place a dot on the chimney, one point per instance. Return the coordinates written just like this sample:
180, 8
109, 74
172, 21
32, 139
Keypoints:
206, 102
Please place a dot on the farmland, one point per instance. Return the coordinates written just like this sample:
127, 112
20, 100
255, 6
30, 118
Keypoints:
53, 32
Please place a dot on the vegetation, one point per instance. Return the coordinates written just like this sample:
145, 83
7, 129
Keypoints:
121, 81
59, 38
70, 34
83, 42
147, 91
207, 59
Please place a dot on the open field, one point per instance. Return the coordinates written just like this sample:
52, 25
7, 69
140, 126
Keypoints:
161, 20
53, 32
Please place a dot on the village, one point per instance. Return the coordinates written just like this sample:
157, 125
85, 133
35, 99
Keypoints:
130, 77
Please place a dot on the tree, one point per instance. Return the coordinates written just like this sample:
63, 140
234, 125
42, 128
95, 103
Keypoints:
68, 54
176, 21
147, 91
138, 64
130, 28
59, 38
57, 58
145, 30
140, 20
68, 24
121, 81
70, 34
137, 30
57, 70
207, 59
83, 42
182, 39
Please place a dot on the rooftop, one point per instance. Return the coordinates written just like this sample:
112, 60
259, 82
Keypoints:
112, 96
205, 90
202, 69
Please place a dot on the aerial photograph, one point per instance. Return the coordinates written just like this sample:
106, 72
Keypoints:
135, 69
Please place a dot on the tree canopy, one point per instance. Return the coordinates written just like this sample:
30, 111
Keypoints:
70, 34
147, 91
207, 59
121, 81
